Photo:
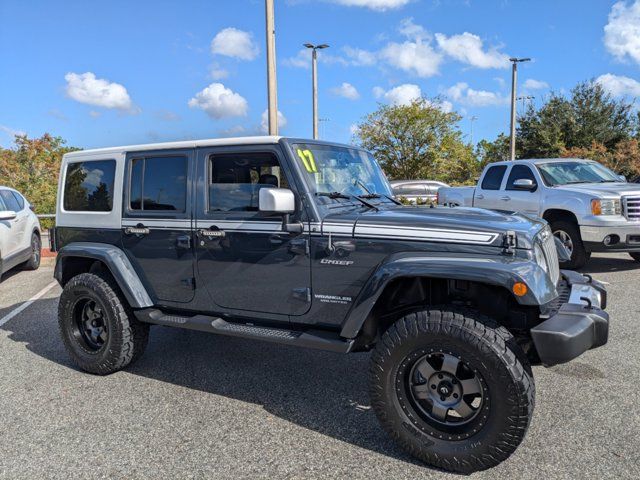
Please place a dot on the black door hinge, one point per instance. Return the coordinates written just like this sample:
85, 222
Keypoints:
510, 242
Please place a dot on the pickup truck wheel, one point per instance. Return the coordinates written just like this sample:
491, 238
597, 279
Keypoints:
97, 325
569, 234
635, 256
452, 388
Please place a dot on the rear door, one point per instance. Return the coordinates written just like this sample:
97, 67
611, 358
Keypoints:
488, 193
156, 222
18, 225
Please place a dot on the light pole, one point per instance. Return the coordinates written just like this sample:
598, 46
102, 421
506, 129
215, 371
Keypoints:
272, 83
514, 75
471, 120
314, 83
524, 98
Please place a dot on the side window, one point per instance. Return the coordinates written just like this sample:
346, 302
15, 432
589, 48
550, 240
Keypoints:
493, 178
235, 180
19, 199
158, 184
88, 186
10, 201
3, 207
519, 172
410, 190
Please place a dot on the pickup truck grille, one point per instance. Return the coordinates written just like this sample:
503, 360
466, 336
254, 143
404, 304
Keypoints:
551, 254
631, 208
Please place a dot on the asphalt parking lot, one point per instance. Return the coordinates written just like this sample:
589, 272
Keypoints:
205, 406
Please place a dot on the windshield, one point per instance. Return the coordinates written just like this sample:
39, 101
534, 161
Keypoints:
329, 169
566, 173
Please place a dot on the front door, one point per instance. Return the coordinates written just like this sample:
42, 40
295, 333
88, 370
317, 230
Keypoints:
525, 201
157, 232
488, 193
244, 259
12, 230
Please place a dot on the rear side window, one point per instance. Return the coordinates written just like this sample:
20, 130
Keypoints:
519, 172
158, 184
19, 199
493, 178
88, 186
409, 190
10, 201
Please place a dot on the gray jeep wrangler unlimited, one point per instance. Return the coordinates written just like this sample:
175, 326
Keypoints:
299, 242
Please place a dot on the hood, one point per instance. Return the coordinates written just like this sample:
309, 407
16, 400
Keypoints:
604, 189
440, 224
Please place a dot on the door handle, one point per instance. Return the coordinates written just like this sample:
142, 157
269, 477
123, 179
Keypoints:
215, 234
506, 198
480, 197
139, 230
184, 242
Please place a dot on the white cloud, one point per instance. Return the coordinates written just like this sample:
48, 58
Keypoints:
444, 105
216, 72
264, 124
234, 43
462, 93
618, 85
359, 57
468, 48
401, 95
622, 32
346, 90
416, 57
531, 84
12, 132
379, 5
86, 88
220, 102
95, 113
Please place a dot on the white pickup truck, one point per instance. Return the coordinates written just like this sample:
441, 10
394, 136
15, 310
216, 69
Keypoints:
589, 207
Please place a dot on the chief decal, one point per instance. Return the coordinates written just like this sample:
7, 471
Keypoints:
329, 261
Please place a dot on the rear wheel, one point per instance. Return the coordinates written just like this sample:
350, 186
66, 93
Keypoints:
452, 389
36, 251
635, 256
97, 326
569, 234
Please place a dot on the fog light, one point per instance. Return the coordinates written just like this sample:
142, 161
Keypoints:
607, 240
611, 240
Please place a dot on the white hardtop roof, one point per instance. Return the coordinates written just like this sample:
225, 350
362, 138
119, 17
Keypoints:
212, 142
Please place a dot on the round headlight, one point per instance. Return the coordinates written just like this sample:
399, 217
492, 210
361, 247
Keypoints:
540, 258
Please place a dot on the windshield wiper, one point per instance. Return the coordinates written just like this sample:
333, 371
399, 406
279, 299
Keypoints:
372, 195
346, 196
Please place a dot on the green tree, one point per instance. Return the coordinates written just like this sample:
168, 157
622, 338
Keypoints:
496, 151
418, 140
32, 167
589, 114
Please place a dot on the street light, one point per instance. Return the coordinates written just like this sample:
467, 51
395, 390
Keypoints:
314, 83
524, 98
514, 75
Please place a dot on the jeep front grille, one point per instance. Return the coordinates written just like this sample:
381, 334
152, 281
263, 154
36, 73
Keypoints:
551, 254
631, 208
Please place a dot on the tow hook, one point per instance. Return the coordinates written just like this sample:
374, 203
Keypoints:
509, 243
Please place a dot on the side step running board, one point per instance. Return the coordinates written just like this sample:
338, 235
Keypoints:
310, 338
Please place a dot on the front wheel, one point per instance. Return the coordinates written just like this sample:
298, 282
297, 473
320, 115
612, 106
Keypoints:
452, 388
635, 256
569, 234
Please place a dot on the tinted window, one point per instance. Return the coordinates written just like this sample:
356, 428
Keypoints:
409, 190
10, 201
3, 207
19, 199
493, 178
235, 180
88, 186
158, 183
518, 172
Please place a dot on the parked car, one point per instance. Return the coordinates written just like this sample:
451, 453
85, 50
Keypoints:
417, 191
300, 242
19, 232
589, 207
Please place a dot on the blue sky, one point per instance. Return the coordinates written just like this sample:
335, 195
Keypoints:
124, 72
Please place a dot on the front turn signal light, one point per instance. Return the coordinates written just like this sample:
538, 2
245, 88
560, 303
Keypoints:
520, 289
596, 207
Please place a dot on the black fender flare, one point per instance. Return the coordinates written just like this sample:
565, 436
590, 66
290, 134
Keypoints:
500, 270
117, 263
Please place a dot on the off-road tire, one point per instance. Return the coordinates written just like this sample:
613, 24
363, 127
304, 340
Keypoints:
36, 252
635, 256
579, 256
126, 336
488, 349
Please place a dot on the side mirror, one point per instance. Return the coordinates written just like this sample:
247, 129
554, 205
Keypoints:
525, 184
280, 200
622, 178
8, 215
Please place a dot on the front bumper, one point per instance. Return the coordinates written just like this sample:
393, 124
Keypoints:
626, 236
576, 326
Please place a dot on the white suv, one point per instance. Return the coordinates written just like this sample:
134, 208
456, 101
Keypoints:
19, 232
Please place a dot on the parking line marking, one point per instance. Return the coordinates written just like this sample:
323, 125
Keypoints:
26, 304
